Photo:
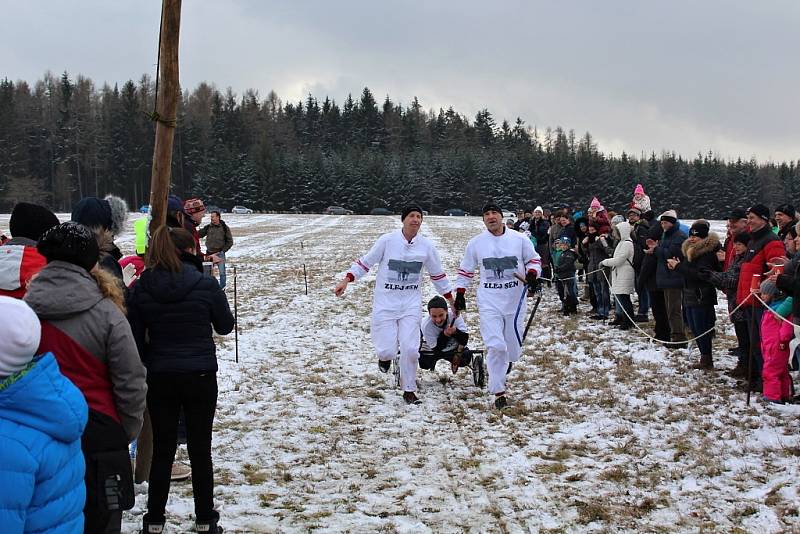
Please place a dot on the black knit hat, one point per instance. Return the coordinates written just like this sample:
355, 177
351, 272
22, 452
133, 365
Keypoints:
743, 238
761, 210
93, 212
31, 221
70, 242
408, 209
737, 213
786, 209
437, 302
491, 206
655, 232
700, 229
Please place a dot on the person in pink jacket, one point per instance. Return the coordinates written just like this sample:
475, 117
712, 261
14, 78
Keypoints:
776, 334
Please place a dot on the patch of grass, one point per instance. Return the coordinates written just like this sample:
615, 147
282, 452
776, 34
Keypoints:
265, 500
370, 472
555, 468
588, 512
745, 511
614, 474
253, 474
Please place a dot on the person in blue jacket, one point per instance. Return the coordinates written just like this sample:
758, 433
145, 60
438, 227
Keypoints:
42, 417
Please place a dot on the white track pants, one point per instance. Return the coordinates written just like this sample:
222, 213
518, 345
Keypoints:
502, 345
387, 334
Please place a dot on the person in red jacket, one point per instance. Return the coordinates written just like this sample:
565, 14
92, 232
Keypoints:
19, 259
764, 246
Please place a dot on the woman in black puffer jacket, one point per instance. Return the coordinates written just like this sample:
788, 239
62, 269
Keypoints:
172, 309
698, 259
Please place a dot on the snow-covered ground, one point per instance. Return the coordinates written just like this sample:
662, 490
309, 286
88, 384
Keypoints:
607, 432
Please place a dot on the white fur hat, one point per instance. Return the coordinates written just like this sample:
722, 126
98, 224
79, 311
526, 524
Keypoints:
21, 334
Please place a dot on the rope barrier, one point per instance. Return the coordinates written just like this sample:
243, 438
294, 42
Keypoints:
773, 312
654, 339
554, 279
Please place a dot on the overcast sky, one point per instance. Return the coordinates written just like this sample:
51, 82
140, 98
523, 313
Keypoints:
683, 75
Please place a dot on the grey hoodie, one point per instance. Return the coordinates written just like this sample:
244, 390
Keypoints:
66, 296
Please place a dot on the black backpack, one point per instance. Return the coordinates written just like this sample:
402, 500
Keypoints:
638, 256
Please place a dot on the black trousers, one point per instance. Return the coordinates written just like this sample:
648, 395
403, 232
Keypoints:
659, 307
166, 395
743, 338
627, 305
753, 315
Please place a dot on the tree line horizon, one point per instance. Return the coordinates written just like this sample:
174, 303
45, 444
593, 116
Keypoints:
62, 139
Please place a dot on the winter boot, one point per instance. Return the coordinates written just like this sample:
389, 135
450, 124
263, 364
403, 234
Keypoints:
740, 371
384, 365
706, 363
152, 527
411, 398
500, 402
679, 342
208, 526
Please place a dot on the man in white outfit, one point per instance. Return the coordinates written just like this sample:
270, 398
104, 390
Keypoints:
397, 303
503, 255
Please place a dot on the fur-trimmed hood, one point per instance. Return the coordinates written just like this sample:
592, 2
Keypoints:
692, 251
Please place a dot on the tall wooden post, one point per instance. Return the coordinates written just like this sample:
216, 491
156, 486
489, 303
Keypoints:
166, 111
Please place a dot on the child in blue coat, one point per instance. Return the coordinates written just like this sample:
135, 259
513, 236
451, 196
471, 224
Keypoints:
42, 417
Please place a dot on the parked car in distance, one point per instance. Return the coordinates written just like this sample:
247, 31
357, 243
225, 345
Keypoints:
241, 210
381, 211
337, 210
213, 208
509, 215
145, 208
455, 212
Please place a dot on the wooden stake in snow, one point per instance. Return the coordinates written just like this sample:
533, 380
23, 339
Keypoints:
235, 316
165, 114
305, 277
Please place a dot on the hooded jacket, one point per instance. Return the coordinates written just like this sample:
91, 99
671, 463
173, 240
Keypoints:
669, 247
92, 342
623, 276
42, 417
696, 260
171, 315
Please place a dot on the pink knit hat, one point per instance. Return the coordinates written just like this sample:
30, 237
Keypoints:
639, 190
595, 204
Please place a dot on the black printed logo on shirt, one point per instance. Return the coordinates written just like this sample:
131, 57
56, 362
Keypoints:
500, 268
404, 272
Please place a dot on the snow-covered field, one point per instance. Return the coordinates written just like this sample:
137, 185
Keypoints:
607, 432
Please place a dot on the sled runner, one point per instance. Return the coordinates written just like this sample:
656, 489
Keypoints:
475, 363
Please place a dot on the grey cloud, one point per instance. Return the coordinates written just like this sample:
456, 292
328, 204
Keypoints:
683, 75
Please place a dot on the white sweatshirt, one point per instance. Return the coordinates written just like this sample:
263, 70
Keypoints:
499, 257
398, 290
430, 332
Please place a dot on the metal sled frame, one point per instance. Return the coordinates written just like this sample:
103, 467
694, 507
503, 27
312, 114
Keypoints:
477, 366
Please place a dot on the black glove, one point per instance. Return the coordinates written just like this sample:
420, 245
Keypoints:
533, 282
461, 303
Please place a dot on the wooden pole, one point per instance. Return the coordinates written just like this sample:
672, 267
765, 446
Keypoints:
235, 316
166, 111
